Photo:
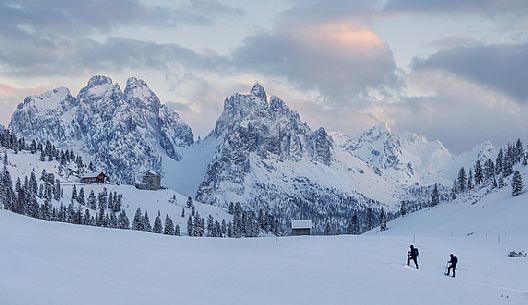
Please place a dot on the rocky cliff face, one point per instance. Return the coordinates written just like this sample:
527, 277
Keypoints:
127, 132
255, 129
260, 152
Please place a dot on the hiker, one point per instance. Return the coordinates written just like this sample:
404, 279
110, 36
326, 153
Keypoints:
453, 261
413, 254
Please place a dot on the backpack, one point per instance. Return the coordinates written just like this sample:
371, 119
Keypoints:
416, 251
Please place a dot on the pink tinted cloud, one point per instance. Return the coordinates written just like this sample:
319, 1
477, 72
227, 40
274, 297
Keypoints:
11, 96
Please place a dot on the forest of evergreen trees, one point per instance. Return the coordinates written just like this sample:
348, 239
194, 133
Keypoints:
493, 174
105, 208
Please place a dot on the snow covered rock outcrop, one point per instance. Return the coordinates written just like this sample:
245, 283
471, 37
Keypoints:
128, 132
266, 157
410, 158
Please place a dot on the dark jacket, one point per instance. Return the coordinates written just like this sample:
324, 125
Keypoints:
454, 260
413, 253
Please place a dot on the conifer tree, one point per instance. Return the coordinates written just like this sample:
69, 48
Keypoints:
435, 196
92, 201
517, 183
87, 217
498, 162
74, 193
45, 210
383, 220
403, 208
479, 177
169, 226
508, 161
146, 223
183, 212
370, 219
177, 230
462, 180
137, 223
327, 230
113, 220
158, 227
189, 202
190, 226
501, 182
57, 190
8, 196
489, 170
519, 151
470, 180
210, 226
355, 225
122, 221
80, 196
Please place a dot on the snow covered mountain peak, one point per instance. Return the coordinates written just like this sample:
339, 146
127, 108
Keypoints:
380, 129
253, 134
137, 91
137, 88
98, 80
258, 91
49, 100
127, 132
378, 147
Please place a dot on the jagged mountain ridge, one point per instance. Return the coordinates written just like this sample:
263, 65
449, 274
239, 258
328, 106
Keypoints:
124, 131
260, 153
265, 156
410, 158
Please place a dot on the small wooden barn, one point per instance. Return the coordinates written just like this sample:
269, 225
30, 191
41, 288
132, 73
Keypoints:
301, 227
151, 182
95, 177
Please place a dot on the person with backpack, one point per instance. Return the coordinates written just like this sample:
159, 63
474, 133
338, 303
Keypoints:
413, 255
453, 261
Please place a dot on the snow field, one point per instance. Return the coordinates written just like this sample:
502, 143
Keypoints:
57, 263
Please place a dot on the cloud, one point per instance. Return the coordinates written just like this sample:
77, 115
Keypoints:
90, 56
178, 107
485, 7
58, 17
340, 60
68, 37
502, 67
11, 96
456, 111
325, 10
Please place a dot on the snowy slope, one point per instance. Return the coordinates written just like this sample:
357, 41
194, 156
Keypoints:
167, 202
55, 263
480, 214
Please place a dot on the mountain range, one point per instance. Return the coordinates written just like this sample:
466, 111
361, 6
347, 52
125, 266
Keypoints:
260, 152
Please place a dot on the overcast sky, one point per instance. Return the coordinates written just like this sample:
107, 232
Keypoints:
452, 70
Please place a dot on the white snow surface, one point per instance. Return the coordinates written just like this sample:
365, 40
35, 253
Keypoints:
55, 263
167, 202
58, 263
301, 224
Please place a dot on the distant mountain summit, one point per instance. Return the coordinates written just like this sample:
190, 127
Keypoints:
260, 152
127, 132
256, 133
